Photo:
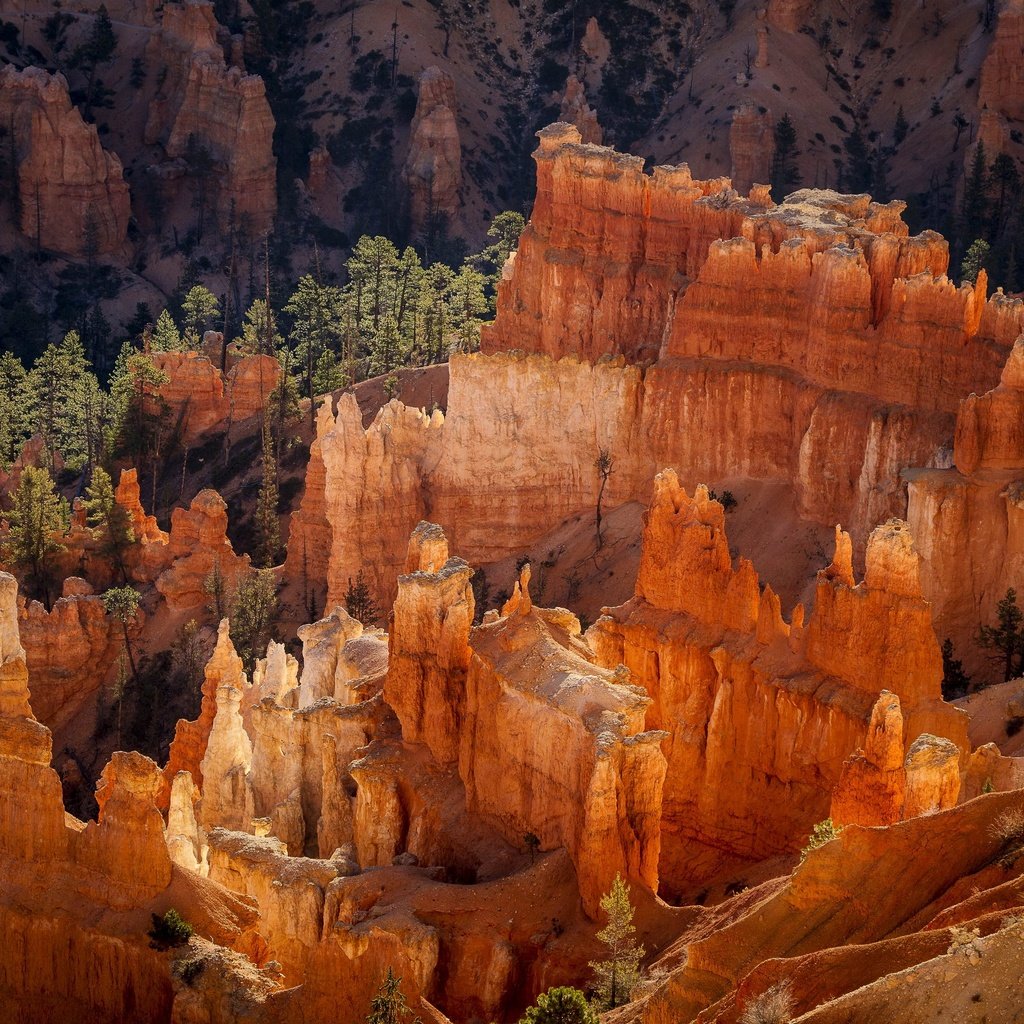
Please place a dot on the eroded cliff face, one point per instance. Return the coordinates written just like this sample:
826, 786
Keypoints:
671, 322
219, 107
71, 195
763, 712
969, 519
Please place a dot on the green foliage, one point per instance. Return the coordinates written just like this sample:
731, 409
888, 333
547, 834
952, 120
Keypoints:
138, 414
169, 930
122, 604
259, 332
109, 519
15, 408
200, 311
37, 519
388, 1005
268, 525
900, 128
617, 975
359, 601
1006, 638
974, 260
822, 833
166, 336
955, 681
560, 1006
252, 616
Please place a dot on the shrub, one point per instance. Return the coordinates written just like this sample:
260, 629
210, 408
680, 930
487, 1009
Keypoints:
1008, 827
170, 930
824, 832
560, 1006
773, 1006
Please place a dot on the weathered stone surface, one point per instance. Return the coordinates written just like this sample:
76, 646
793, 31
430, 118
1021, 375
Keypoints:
433, 166
72, 195
771, 708
576, 111
222, 108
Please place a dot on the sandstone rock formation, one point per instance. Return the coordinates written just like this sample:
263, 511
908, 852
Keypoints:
220, 108
433, 166
814, 342
1001, 92
71, 196
750, 774
576, 111
751, 146
197, 544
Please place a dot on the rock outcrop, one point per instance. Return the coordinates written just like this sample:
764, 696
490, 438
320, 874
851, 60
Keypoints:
203, 102
751, 146
576, 111
763, 712
71, 196
433, 166
1001, 92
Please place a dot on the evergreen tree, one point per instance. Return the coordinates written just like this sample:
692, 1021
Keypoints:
200, 311
109, 519
166, 336
318, 324
784, 173
138, 412
974, 208
1006, 638
616, 976
16, 413
252, 616
359, 601
122, 605
561, 1006
434, 311
268, 527
37, 520
388, 1005
900, 128
58, 379
974, 260
259, 330
468, 305
955, 681
387, 350
98, 48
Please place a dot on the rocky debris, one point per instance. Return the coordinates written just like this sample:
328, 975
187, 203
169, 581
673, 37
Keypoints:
219, 108
433, 166
71, 195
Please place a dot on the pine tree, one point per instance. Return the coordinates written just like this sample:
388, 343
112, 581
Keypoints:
216, 586
388, 1005
109, 519
1006, 638
122, 605
468, 305
974, 208
252, 615
561, 1006
318, 324
974, 260
386, 349
16, 412
268, 525
615, 977
900, 128
98, 48
166, 336
137, 411
259, 335
200, 311
784, 173
955, 681
359, 601
434, 311
37, 519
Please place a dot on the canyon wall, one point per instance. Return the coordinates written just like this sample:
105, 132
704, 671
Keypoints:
70, 195
762, 712
671, 322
